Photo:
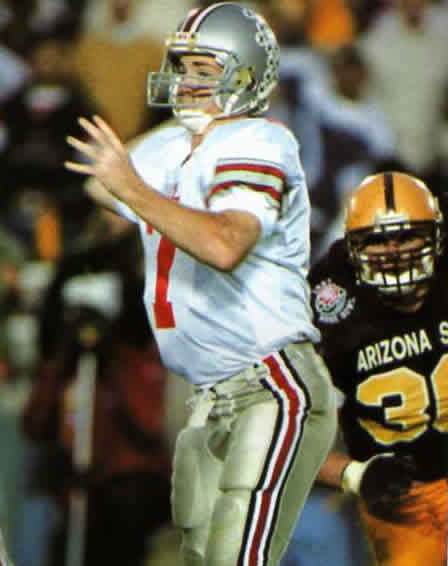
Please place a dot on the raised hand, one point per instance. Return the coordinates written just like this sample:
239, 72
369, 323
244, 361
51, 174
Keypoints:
107, 157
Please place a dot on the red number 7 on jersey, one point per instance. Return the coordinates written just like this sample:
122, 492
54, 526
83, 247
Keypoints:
163, 309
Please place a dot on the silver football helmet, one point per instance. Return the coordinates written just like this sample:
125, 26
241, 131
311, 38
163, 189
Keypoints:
242, 43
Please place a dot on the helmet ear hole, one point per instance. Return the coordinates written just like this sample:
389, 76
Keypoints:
245, 78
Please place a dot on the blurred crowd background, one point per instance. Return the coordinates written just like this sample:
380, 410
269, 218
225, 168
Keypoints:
88, 415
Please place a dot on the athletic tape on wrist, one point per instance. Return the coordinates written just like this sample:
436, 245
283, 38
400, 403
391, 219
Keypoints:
351, 476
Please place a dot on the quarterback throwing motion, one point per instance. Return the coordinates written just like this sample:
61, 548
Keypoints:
381, 301
222, 206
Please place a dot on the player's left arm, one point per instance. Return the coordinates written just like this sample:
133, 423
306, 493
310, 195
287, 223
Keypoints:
221, 239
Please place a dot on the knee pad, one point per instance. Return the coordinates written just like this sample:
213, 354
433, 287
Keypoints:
195, 479
231, 507
187, 499
227, 528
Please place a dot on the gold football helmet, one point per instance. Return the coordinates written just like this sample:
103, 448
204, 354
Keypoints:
393, 231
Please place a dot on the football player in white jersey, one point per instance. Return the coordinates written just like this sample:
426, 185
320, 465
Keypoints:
223, 211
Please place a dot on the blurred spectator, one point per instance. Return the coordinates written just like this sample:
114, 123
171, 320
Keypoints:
355, 136
21, 284
288, 19
47, 15
22, 21
43, 203
102, 251
114, 43
13, 73
12, 256
126, 484
323, 24
365, 12
330, 24
33, 216
409, 76
154, 19
13, 27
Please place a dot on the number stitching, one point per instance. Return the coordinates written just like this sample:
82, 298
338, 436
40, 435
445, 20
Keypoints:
409, 418
162, 308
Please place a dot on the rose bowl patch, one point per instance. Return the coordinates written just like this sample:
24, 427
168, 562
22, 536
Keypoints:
331, 302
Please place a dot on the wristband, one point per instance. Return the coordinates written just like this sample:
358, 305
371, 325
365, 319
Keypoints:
351, 476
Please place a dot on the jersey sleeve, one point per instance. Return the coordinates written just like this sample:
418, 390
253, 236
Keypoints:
254, 174
251, 185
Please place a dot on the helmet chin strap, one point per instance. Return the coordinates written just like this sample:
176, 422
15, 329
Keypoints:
196, 121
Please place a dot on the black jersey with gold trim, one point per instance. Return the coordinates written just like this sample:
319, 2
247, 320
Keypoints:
392, 367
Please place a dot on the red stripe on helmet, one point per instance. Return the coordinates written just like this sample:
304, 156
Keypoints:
196, 16
190, 19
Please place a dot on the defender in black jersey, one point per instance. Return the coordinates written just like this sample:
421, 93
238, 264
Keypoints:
380, 299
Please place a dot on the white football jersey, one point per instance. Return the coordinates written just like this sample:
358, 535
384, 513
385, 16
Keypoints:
211, 324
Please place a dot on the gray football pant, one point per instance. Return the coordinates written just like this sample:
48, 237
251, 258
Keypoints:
247, 459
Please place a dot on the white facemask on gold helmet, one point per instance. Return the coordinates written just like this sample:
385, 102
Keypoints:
398, 207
